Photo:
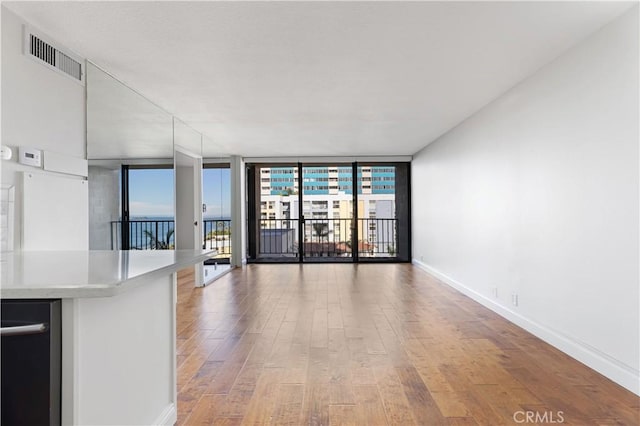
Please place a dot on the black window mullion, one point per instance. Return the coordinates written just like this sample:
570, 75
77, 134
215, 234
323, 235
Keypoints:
253, 213
354, 232
124, 191
301, 224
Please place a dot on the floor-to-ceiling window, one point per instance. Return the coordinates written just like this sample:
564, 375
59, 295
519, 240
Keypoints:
377, 216
146, 219
327, 209
341, 212
275, 212
216, 196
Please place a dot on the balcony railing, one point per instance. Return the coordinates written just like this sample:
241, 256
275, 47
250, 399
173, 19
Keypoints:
159, 235
278, 238
328, 237
378, 237
217, 235
144, 234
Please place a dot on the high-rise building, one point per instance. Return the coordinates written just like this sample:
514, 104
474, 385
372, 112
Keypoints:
327, 180
327, 203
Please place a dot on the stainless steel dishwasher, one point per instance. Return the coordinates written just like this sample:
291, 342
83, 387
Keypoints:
31, 362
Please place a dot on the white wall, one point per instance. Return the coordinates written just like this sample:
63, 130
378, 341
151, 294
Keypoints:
40, 108
538, 194
104, 205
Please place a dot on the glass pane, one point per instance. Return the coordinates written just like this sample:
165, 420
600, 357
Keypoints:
151, 209
328, 212
278, 205
216, 221
377, 221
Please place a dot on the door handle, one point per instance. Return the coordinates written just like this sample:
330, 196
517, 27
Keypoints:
195, 223
22, 330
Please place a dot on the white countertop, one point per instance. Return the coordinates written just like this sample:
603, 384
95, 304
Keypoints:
94, 273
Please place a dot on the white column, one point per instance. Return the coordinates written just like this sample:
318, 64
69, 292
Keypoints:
188, 205
238, 212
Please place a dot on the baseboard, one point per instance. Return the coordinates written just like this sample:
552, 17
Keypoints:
169, 416
609, 367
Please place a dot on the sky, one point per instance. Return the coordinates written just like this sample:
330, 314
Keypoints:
216, 192
151, 192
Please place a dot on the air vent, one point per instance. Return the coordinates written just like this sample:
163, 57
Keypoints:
44, 52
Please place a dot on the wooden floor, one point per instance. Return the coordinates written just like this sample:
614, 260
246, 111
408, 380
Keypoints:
377, 344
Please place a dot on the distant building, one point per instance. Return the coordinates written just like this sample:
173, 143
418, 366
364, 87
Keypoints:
327, 180
328, 206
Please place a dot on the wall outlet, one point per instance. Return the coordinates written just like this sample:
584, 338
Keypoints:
421, 258
494, 292
514, 299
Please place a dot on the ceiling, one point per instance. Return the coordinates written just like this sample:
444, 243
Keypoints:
319, 78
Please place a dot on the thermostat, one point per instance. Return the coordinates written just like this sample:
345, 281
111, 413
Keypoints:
30, 157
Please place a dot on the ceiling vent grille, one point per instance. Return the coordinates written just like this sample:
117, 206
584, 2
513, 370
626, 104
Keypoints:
44, 52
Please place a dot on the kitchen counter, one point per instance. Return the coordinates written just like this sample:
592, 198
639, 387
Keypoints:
118, 328
84, 274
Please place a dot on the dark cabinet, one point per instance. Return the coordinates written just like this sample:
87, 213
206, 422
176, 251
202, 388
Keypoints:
31, 362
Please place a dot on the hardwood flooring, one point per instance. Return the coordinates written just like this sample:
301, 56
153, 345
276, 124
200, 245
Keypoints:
383, 344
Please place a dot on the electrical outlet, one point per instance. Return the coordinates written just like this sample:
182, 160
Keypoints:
494, 292
514, 299
421, 258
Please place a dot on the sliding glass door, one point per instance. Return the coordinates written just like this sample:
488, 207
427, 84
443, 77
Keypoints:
327, 212
377, 218
216, 210
275, 213
341, 212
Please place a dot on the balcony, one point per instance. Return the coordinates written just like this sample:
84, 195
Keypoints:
159, 235
323, 238
327, 238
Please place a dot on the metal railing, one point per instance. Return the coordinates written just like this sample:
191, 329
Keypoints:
324, 237
378, 237
278, 238
328, 237
144, 234
159, 235
217, 235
